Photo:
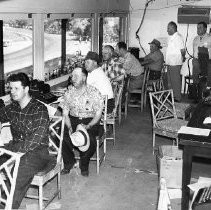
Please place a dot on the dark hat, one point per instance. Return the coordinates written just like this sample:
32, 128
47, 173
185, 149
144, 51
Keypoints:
92, 56
156, 42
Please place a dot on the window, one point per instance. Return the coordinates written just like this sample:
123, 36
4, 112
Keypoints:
111, 31
52, 48
17, 46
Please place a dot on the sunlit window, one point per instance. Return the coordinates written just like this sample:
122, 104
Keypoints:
52, 48
111, 31
17, 43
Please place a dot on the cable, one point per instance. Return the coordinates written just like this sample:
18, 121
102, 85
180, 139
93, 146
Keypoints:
191, 56
142, 20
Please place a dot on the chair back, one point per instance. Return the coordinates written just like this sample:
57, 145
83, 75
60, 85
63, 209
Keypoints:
104, 114
57, 130
118, 97
8, 175
162, 105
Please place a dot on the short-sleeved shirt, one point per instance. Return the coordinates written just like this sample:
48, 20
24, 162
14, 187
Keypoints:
132, 65
29, 126
82, 103
202, 41
158, 60
113, 68
173, 51
98, 79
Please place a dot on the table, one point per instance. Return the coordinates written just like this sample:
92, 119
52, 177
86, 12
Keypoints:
191, 148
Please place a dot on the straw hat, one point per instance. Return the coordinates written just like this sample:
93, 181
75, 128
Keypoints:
80, 138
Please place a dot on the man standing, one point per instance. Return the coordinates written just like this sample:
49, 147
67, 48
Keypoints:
202, 54
81, 104
154, 60
112, 68
175, 55
131, 65
97, 78
29, 126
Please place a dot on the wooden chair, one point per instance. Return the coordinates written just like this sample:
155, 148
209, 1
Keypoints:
8, 175
101, 141
111, 118
115, 90
141, 92
165, 121
188, 79
154, 85
53, 169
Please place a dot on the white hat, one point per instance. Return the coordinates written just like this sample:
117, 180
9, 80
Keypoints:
80, 138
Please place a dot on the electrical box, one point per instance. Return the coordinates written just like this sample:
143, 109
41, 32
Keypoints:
193, 15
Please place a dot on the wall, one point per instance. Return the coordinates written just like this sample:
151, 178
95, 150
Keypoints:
158, 14
63, 6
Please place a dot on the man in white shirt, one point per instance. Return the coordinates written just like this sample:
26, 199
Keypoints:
97, 78
202, 53
175, 56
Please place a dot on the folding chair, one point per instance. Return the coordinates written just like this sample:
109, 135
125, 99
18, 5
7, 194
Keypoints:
165, 121
8, 175
140, 91
111, 118
53, 169
154, 85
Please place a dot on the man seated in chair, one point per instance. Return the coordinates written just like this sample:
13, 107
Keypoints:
97, 78
154, 60
112, 68
29, 122
81, 104
131, 65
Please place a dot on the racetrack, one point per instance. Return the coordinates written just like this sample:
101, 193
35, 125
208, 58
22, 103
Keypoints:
19, 53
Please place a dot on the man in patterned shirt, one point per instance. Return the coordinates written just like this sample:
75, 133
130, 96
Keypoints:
29, 122
113, 69
81, 104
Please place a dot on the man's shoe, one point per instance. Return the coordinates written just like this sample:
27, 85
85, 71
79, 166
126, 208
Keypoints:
85, 173
65, 171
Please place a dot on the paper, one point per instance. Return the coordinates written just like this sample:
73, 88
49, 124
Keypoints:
194, 131
207, 120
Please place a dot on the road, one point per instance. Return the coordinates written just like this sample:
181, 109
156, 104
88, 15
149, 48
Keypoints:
19, 54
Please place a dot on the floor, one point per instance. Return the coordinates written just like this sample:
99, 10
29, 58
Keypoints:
128, 178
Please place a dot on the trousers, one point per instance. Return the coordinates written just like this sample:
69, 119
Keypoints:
67, 147
174, 80
30, 164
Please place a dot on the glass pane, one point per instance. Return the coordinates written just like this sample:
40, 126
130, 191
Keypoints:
111, 31
17, 41
52, 48
78, 41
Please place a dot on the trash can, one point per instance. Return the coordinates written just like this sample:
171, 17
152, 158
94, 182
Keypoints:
169, 161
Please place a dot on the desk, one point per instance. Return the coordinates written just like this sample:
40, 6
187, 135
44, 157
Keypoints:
191, 148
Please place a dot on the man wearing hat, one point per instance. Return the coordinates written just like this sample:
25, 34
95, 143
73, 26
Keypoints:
97, 78
154, 60
82, 107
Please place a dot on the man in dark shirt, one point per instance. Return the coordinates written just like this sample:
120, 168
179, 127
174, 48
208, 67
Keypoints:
29, 122
154, 60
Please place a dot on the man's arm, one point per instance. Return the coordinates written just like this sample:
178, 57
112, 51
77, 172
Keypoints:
95, 119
